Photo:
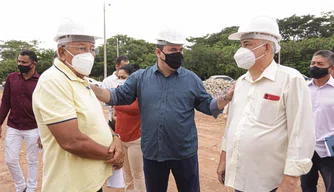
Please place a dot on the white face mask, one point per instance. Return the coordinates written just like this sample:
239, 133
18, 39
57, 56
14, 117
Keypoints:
82, 63
121, 82
245, 58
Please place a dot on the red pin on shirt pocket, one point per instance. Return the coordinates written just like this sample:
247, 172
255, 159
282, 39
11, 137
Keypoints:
271, 97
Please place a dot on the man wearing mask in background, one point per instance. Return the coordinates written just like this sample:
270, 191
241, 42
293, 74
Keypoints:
73, 129
322, 91
167, 94
112, 82
21, 123
332, 73
269, 136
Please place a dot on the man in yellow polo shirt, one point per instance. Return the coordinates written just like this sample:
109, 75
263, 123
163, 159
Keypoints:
79, 147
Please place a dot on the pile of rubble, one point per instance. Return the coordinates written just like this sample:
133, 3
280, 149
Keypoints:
217, 87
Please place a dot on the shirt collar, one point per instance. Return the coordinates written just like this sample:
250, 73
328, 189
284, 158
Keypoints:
156, 69
269, 73
329, 82
35, 76
66, 71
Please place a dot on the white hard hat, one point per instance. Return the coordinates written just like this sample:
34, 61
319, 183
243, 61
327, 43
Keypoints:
69, 31
260, 24
170, 36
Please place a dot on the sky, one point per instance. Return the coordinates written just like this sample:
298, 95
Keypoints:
141, 19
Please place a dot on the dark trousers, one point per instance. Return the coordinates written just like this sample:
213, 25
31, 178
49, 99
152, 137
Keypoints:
185, 172
112, 125
326, 167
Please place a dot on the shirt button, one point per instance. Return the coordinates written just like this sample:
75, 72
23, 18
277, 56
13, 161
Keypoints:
160, 125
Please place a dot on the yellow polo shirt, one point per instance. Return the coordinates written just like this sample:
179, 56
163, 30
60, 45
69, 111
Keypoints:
60, 96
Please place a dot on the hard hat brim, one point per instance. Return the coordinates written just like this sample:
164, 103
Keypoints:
56, 38
163, 42
237, 36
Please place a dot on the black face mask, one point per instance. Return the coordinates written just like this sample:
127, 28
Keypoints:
317, 72
24, 69
174, 60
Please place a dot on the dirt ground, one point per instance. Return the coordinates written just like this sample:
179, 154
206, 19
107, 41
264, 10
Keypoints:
210, 132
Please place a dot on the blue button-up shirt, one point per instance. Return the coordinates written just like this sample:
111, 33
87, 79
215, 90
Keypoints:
166, 104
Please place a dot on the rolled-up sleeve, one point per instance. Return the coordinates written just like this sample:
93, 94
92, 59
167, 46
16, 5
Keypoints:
223, 146
300, 125
214, 108
127, 93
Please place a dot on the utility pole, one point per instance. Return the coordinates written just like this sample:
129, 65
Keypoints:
105, 41
117, 47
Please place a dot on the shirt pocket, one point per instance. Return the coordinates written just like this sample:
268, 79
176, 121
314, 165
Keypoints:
266, 111
183, 99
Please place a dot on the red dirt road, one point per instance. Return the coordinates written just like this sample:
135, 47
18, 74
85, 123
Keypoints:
210, 132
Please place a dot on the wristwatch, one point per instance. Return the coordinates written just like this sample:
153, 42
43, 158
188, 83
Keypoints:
225, 98
116, 135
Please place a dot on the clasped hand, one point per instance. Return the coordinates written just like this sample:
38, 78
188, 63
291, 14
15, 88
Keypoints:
117, 154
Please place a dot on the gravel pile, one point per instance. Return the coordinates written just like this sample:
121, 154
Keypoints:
217, 87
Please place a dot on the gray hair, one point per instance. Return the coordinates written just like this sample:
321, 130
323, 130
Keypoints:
327, 55
159, 46
272, 45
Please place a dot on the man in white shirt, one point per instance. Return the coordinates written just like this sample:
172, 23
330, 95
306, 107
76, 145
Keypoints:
269, 137
322, 91
112, 82
332, 73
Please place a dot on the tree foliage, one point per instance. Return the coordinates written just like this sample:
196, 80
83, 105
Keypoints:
307, 26
208, 55
138, 51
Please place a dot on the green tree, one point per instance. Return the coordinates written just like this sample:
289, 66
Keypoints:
11, 49
138, 51
307, 26
45, 58
298, 54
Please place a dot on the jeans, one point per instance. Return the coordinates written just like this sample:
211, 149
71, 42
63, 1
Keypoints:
326, 167
112, 125
14, 139
185, 172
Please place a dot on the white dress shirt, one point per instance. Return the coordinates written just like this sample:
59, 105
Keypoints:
323, 112
108, 83
269, 131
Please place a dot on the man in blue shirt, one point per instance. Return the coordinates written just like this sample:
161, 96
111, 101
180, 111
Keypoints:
167, 94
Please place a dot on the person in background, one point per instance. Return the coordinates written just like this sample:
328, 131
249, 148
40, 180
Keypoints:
128, 127
168, 95
112, 82
21, 123
322, 91
269, 137
332, 73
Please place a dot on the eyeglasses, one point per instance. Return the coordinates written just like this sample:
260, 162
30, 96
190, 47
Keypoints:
83, 49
